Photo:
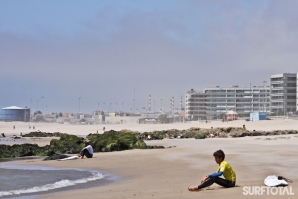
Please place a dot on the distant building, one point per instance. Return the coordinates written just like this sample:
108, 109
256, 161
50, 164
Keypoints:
242, 100
216, 101
38, 116
14, 113
280, 98
284, 89
195, 105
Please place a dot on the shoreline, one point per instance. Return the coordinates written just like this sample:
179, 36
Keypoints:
166, 173
97, 179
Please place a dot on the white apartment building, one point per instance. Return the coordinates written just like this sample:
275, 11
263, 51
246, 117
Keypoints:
284, 89
242, 100
216, 101
195, 105
280, 98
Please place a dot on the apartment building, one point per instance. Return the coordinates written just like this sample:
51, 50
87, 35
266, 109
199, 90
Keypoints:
215, 101
279, 98
284, 89
242, 100
195, 105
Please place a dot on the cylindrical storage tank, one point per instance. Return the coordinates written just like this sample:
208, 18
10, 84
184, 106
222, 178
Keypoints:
15, 113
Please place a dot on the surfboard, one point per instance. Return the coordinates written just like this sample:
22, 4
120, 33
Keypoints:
273, 181
69, 158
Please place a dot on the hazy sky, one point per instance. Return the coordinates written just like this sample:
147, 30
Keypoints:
102, 51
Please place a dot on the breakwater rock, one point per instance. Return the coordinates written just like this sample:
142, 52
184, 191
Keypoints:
42, 134
242, 133
202, 133
66, 144
115, 141
71, 144
7, 151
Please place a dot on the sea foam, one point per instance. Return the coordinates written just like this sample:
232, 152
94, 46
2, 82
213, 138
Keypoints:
60, 184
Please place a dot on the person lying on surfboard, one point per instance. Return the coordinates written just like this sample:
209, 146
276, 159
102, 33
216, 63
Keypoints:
86, 151
224, 169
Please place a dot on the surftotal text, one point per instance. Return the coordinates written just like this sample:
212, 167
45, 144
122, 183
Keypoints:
263, 190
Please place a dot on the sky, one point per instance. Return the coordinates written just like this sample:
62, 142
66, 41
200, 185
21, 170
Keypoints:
75, 55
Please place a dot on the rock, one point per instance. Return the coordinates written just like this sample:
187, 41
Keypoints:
7, 151
155, 147
200, 136
43, 134
67, 144
194, 129
115, 141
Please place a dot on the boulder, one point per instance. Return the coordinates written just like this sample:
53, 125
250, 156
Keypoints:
42, 134
115, 141
200, 136
20, 150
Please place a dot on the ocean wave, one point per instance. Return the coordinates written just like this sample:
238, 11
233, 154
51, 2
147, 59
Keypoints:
60, 184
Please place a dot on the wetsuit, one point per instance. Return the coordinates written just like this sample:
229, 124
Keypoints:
224, 169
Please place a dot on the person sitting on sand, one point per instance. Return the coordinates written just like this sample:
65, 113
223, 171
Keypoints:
224, 169
86, 151
244, 127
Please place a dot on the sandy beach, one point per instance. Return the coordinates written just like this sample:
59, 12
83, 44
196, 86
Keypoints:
166, 173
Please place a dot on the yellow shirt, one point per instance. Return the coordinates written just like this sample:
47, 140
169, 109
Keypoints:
227, 171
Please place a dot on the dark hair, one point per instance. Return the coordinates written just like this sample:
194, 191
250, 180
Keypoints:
219, 153
86, 143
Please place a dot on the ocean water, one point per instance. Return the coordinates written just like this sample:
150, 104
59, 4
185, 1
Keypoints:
27, 181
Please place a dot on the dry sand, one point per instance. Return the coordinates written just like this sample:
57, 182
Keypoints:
166, 173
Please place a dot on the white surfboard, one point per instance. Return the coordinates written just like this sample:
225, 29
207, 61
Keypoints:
273, 181
69, 158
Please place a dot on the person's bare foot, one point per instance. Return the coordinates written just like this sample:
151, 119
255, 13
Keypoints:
81, 157
193, 189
